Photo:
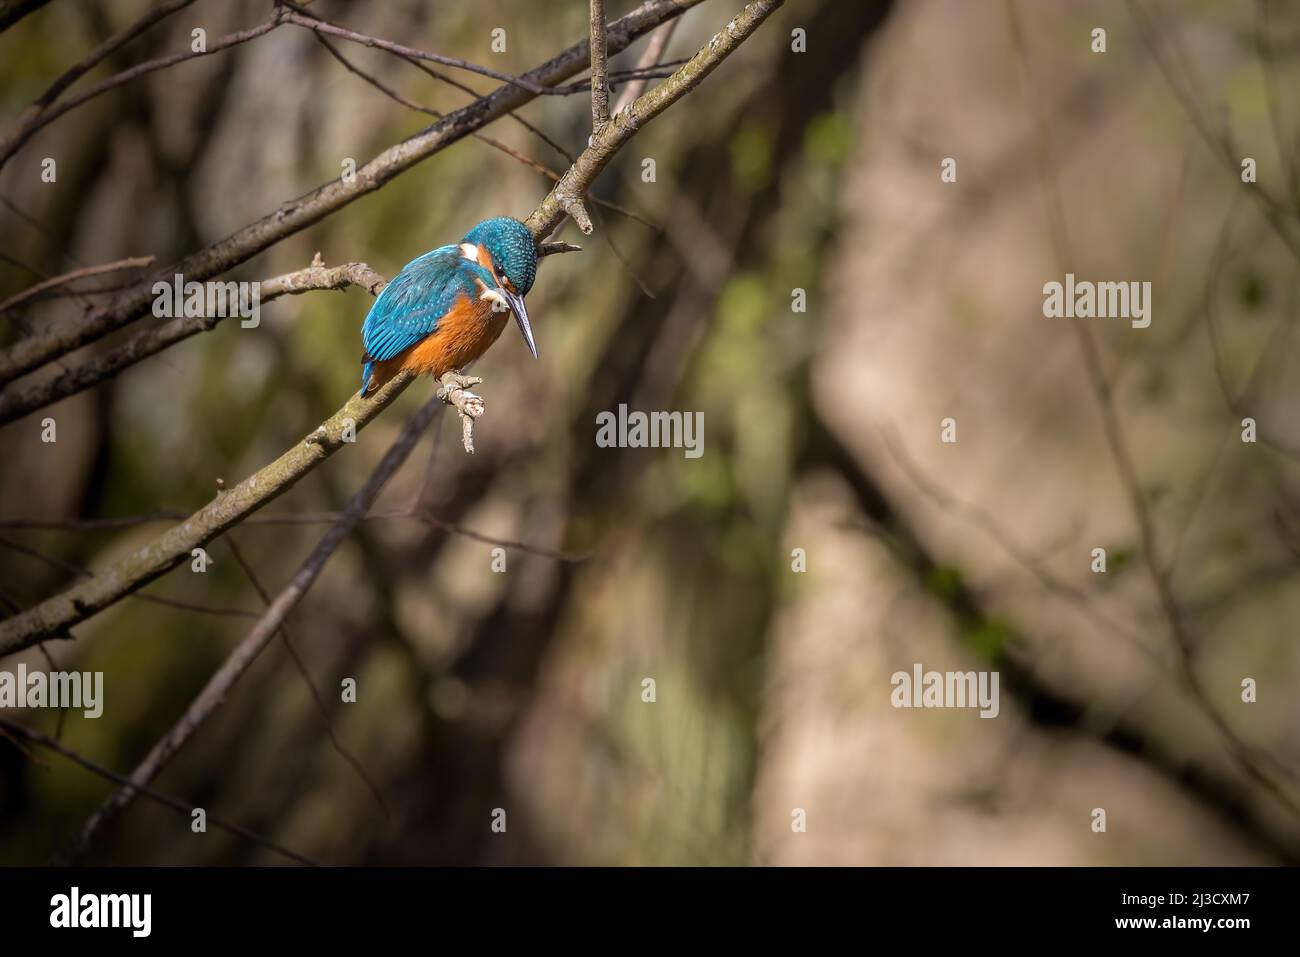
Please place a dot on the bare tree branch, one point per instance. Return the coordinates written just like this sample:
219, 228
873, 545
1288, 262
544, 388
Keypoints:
550, 249
616, 77
599, 68
101, 53
457, 84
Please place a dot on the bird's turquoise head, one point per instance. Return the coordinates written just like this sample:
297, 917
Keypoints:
512, 261
512, 249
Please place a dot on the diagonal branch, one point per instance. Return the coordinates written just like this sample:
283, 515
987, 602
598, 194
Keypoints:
105, 50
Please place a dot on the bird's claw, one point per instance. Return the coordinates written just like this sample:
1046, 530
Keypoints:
454, 381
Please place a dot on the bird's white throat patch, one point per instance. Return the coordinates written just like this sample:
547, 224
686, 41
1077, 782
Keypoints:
499, 303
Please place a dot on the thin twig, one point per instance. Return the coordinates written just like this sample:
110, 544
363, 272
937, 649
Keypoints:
636, 74
547, 248
134, 262
444, 78
293, 518
650, 58
35, 737
982, 520
1220, 144
322, 26
317, 697
41, 228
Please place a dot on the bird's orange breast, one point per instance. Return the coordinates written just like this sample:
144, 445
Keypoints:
463, 334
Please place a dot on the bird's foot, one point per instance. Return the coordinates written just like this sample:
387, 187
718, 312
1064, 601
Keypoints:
454, 390
454, 380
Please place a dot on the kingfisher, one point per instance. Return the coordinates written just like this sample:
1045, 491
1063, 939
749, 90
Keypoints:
445, 308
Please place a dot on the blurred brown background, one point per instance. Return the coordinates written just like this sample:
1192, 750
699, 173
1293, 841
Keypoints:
816, 171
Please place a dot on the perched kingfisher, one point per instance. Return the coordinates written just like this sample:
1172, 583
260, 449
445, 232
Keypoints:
443, 310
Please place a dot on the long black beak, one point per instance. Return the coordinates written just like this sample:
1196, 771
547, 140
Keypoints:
521, 316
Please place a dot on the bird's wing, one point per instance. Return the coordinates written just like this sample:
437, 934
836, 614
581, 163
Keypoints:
410, 306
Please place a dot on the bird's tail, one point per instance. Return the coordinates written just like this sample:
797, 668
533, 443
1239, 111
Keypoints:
366, 370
